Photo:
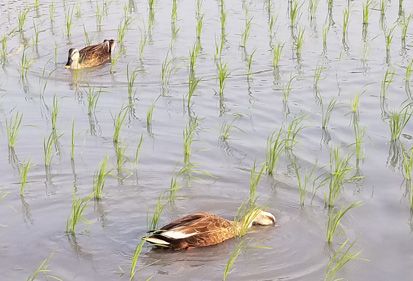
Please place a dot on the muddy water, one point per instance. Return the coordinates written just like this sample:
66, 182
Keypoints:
33, 227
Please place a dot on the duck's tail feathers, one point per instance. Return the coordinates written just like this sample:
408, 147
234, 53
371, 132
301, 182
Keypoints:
157, 242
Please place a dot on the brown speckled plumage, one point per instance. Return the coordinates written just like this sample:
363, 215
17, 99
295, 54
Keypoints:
91, 56
195, 230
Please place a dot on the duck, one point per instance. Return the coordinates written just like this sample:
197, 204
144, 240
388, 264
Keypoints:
204, 229
90, 56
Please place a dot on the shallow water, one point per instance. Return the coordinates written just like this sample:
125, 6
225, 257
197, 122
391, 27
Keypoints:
33, 227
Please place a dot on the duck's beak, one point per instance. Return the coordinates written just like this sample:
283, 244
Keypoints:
69, 63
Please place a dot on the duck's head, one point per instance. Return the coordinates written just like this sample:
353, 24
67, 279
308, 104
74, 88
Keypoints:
73, 58
110, 45
264, 218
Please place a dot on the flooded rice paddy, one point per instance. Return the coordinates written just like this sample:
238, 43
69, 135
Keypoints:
300, 106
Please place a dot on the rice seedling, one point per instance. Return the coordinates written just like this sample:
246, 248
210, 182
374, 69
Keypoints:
76, 214
43, 269
249, 63
387, 80
174, 12
25, 64
151, 4
192, 85
359, 134
114, 60
388, 40
223, 74
407, 164
188, 134
118, 122
366, 11
293, 129
36, 4
143, 42
287, 88
409, 71
13, 129
317, 75
383, 7
122, 28
193, 56
294, 12
398, 121
312, 7
21, 19
232, 258
99, 16
223, 19
131, 77
326, 29
405, 26
334, 220
52, 11
299, 42
275, 146
199, 25
24, 169
326, 114
54, 114
138, 150
36, 33
255, 177
120, 157
48, 150
246, 33
78, 11
92, 100
149, 114
99, 179
135, 257
3, 52
339, 174
302, 183
86, 35
167, 69
69, 21
276, 55
340, 258
157, 212
355, 103
346, 17
173, 189
72, 150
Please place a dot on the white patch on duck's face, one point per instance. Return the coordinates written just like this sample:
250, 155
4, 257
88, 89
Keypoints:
176, 234
73, 59
264, 218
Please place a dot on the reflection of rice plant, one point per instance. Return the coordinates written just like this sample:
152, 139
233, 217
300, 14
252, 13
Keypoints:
408, 164
135, 257
23, 171
25, 64
55, 112
13, 128
249, 63
326, 29
36, 33
275, 146
231, 261
339, 174
119, 120
334, 219
397, 122
341, 257
76, 215
153, 223
99, 179
255, 177
326, 114
276, 54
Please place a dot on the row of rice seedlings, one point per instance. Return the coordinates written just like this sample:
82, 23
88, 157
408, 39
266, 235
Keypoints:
118, 123
334, 220
255, 177
54, 114
76, 214
69, 21
276, 55
24, 169
312, 7
326, 113
100, 178
293, 129
3, 51
188, 134
21, 19
135, 257
339, 174
92, 100
341, 257
13, 129
246, 33
398, 121
275, 146
232, 258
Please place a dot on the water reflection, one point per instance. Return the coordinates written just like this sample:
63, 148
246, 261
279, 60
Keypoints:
26, 212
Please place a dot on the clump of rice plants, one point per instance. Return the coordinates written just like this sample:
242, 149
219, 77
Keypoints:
223, 74
246, 33
24, 169
99, 179
292, 131
25, 63
13, 129
21, 19
76, 215
341, 257
334, 219
276, 55
326, 113
312, 7
397, 122
275, 146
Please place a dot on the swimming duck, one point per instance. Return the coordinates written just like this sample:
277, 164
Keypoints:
90, 56
205, 229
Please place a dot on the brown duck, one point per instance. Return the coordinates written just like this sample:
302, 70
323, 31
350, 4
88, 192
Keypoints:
90, 56
205, 229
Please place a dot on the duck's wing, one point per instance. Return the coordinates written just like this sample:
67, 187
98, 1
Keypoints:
94, 53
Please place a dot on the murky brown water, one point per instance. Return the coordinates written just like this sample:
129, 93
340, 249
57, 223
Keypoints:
33, 227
